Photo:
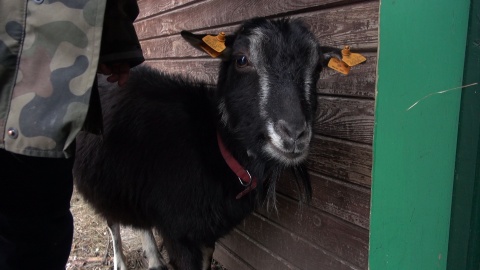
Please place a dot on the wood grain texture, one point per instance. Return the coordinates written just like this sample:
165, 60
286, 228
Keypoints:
346, 241
343, 200
229, 259
154, 7
289, 246
253, 252
260, 257
344, 118
346, 161
349, 202
214, 13
355, 25
351, 25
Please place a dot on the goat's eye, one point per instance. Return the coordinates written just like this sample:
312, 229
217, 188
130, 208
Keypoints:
242, 61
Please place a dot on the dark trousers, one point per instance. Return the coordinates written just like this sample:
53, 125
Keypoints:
36, 226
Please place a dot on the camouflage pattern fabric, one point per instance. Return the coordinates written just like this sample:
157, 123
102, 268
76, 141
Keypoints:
49, 52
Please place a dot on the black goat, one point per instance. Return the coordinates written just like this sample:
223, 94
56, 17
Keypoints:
159, 164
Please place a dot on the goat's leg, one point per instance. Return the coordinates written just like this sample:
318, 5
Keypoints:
118, 257
188, 255
155, 262
207, 253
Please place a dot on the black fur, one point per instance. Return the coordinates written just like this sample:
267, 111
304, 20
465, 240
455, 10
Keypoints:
158, 163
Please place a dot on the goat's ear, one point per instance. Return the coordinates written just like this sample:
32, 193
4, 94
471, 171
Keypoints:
215, 46
194, 40
329, 53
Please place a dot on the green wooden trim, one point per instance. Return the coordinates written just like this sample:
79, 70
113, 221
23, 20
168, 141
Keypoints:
464, 244
421, 54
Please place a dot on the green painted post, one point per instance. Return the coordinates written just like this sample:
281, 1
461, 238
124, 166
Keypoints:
464, 243
420, 72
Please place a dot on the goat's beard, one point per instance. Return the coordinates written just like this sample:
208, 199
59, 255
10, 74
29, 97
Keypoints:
302, 181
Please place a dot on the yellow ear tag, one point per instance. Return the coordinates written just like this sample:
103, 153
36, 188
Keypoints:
352, 59
338, 65
214, 45
210, 51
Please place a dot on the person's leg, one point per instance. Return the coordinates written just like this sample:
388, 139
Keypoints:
36, 226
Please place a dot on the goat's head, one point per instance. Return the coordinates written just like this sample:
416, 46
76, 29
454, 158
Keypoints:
267, 86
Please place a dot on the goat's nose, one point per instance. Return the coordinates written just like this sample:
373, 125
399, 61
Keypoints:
291, 130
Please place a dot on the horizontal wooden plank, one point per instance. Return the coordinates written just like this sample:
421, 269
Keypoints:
253, 252
153, 7
359, 83
345, 118
289, 246
346, 201
228, 259
216, 13
350, 162
346, 241
355, 25
331, 28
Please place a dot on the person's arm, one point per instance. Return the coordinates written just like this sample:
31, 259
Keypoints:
120, 49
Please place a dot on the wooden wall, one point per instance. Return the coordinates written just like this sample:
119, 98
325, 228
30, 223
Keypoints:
332, 232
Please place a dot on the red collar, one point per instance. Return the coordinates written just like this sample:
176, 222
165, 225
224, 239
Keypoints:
243, 175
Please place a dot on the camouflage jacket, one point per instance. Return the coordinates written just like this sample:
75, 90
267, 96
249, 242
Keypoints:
49, 51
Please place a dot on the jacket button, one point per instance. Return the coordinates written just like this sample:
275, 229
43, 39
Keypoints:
12, 133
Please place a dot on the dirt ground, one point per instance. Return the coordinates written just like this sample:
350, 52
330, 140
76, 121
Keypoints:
92, 246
